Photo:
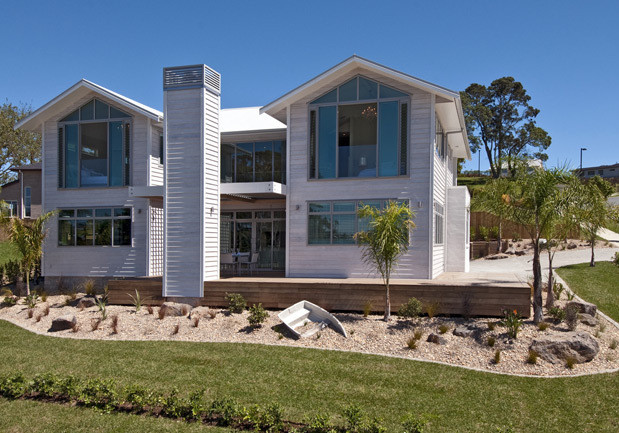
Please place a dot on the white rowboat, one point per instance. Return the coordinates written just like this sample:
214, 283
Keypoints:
305, 319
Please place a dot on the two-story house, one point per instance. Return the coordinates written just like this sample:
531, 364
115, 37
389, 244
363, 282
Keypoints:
145, 193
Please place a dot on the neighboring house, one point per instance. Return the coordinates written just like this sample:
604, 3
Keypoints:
23, 196
145, 193
532, 164
608, 172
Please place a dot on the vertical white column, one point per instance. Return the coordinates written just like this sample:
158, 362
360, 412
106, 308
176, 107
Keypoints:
191, 187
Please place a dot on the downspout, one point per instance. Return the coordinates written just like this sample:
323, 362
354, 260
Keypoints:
431, 188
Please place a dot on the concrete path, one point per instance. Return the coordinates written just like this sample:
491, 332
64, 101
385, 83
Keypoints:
522, 267
609, 235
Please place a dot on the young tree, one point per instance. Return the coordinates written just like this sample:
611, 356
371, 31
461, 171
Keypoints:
594, 210
534, 201
28, 237
386, 240
16, 147
501, 121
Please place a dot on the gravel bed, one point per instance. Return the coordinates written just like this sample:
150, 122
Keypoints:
366, 335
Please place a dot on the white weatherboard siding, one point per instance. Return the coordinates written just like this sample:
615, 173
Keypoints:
345, 260
156, 168
456, 236
211, 144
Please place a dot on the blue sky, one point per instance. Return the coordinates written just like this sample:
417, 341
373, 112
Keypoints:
564, 52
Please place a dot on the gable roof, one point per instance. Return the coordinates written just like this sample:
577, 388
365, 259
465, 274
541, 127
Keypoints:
449, 107
34, 120
33, 166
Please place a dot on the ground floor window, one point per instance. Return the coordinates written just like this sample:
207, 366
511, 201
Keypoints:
439, 216
336, 222
9, 209
94, 226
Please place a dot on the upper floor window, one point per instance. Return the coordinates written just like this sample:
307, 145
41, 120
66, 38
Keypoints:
27, 202
358, 130
261, 161
440, 140
94, 147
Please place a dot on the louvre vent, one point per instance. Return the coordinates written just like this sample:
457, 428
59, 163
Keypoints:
183, 77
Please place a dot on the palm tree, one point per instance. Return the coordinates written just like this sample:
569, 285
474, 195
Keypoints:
28, 238
386, 240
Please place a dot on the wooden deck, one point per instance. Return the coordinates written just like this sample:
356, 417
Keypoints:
455, 293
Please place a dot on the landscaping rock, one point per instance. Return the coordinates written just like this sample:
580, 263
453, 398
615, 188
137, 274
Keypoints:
557, 348
572, 245
63, 322
511, 250
199, 312
520, 253
497, 257
584, 307
86, 302
464, 331
588, 319
176, 309
433, 338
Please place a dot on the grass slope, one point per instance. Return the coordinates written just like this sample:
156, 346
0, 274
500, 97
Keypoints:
598, 284
306, 381
8, 252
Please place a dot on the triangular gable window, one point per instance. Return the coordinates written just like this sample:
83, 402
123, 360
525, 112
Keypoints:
359, 89
95, 110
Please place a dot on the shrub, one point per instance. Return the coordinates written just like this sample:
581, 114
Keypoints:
162, 312
176, 328
367, 309
353, 415
491, 325
9, 298
570, 362
236, 303
414, 424
532, 358
410, 309
443, 328
418, 334
571, 316
484, 233
94, 324
75, 327
31, 300
615, 259
150, 309
491, 341
557, 313
512, 321
195, 321
30, 313
557, 289
570, 295
89, 287
269, 419
225, 411
411, 343
497, 356
542, 326
318, 424
602, 327
13, 386
43, 295
257, 315
137, 301
102, 305
494, 232
613, 344
432, 308
115, 324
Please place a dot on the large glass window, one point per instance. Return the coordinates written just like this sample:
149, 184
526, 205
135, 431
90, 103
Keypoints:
358, 130
439, 226
440, 139
94, 147
336, 222
261, 161
99, 226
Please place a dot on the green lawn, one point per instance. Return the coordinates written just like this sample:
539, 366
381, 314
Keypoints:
598, 284
8, 252
305, 381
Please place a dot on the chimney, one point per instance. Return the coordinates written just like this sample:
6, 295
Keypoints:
191, 96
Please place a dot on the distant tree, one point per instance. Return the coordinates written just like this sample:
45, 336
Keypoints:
594, 210
386, 240
16, 147
501, 122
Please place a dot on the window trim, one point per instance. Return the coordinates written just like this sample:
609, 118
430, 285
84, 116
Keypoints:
94, 218
315, 106
127, 163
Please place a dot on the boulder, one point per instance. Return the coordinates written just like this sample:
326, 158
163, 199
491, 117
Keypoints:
584, 307
497, 256
464, 331
558, 348
63, 322
588, 319
176, 309
572, 245
86, 302
520, 253
433, 338
199, 312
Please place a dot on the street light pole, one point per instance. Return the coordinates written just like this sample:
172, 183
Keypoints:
581, 150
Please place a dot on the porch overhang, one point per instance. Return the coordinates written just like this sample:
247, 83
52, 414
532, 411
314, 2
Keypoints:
252, 190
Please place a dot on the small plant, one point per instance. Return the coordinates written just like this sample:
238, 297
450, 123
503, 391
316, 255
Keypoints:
318, 335
195, 321
367, 308
30, 313
484, 233
212, 314
557, 313
615, 259
89, 287
162, 312
115, 324
570, 362
497, 356
512, 321
67, 301
491, 325
613, 344
414, 424
137, 301
410, 309
443, 328
9, 298
318, 423
412, 343
75, 327
73, 295
94, 324
571, 316
557, 289
602, 327
38, 318
176, 329
570, 295
432, 308
236, 303
102, 308
542, 326
418, 334
150, 309
44, 295
491, 341
532, 357
354, 416
185, 310
31, 300
257, 315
